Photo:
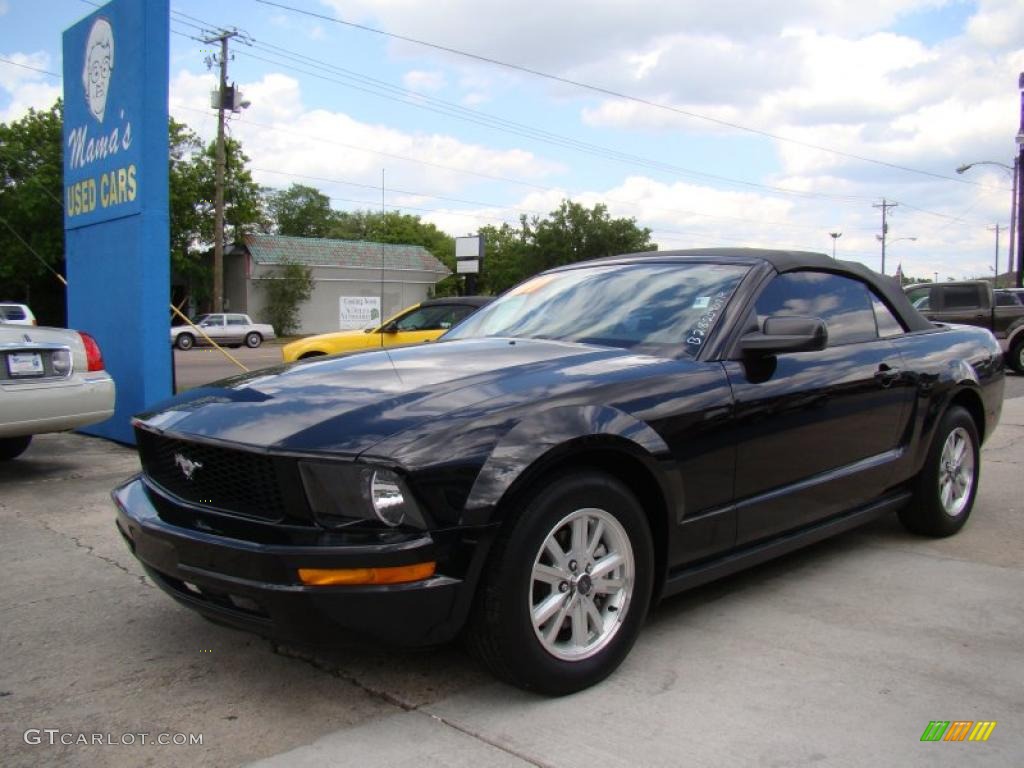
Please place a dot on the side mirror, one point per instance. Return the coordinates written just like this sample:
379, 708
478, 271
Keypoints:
390, 328
786, 334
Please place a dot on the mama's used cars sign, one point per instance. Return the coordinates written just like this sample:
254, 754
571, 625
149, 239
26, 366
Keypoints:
101, 112
115, 198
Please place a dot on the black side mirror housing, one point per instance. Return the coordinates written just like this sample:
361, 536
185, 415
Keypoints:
786, 334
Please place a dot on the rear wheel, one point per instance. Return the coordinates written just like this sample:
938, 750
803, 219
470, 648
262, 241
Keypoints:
185, 341
13, 447
1015, 357
567, 586
948, 483
253, 340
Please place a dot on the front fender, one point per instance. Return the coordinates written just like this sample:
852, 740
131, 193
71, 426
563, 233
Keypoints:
546, 435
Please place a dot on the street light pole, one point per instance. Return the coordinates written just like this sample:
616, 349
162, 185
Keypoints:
835, 236
1014, 172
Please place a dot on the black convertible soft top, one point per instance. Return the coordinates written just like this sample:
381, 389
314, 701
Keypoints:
790, 261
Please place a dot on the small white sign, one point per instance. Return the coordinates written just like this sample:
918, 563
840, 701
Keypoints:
468, 247
357, 312
701, 302
467, 267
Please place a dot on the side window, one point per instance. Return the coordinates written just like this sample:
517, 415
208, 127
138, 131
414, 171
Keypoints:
919, 296
236, 320
1006, 299
844, 304
455, 314
422, 319
888, 325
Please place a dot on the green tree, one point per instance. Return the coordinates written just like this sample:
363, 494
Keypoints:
287, 287
32, 213
192, 192
568, 234
187, 210
301, 211
573, 233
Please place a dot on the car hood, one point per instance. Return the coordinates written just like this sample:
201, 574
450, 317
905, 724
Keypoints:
347, 404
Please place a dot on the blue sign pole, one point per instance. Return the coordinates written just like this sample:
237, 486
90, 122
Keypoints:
116, 226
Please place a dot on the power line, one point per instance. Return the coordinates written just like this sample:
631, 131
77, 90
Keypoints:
439, 106
27, 66
616, 94
416, 97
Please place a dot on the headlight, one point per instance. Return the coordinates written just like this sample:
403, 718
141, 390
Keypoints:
343, 494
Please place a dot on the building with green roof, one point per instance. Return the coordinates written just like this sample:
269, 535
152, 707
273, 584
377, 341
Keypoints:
343, 270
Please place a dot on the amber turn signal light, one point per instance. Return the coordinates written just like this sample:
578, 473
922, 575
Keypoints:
401, 574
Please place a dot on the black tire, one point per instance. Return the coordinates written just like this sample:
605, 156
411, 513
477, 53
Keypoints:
13, 447
501, 630
185, 341
1015, 357
929, 513
253, 340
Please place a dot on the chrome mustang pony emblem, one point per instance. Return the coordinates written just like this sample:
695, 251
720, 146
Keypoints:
186, 465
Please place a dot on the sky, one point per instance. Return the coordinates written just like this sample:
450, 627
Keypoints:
735, 123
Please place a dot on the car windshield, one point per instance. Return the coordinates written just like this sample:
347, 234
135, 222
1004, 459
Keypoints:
655, 307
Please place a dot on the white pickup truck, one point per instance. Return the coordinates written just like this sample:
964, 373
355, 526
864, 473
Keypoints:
230, 329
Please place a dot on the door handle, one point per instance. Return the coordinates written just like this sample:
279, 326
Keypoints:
886, 374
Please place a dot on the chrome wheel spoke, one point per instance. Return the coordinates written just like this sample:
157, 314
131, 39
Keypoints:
548, 575
554, 550
608, 586
580, 633
578, 548
595, 538
605, 565
551, 634
548, 608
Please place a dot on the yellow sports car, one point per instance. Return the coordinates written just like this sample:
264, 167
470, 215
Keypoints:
418, 323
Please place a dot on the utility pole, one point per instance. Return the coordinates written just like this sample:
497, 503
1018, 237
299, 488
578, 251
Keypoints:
995, 274
218, 200
885, 206
1013, 218
1020, 187
835, 236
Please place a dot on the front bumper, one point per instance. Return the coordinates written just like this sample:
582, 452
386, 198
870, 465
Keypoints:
255, 586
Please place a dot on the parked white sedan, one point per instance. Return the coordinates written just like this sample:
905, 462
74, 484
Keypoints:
231, 330
51, 379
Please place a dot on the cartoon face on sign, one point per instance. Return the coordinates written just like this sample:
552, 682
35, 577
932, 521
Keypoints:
99, 63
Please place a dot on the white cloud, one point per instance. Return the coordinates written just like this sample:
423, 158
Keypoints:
418, 80
23, 88
4, 7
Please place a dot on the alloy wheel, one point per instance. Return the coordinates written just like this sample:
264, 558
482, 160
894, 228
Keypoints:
581, 584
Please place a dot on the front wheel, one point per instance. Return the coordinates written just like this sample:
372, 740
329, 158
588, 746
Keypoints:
13, 447
184, 341
567, 586
1015, 357
948, 483
253, 340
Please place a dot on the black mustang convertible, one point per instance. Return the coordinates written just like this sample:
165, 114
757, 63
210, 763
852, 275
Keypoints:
601, 436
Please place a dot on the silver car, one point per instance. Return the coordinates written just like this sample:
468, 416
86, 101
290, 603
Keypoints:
229, 329
51, 379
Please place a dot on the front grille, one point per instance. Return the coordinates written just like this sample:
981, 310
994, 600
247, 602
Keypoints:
226, 479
